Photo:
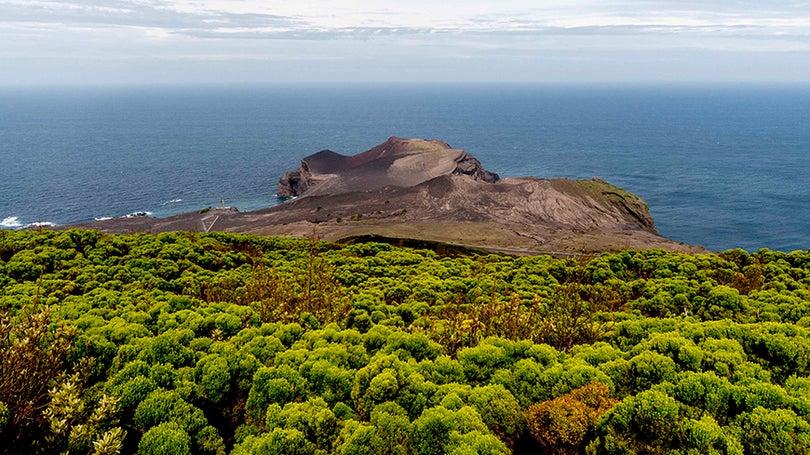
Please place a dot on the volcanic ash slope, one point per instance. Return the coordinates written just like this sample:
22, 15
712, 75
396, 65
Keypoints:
415, 188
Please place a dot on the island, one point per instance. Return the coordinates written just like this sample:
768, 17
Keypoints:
427, 190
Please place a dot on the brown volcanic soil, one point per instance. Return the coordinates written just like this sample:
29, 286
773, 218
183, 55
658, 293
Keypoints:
426, 190
395, 162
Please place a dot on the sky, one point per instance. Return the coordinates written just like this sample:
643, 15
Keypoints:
67, 42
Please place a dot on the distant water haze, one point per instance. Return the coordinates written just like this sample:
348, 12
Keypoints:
723, 167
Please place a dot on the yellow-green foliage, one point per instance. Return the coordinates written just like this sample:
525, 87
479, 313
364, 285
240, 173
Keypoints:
219, 343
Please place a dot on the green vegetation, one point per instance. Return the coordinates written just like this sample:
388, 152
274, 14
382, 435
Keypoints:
219, 343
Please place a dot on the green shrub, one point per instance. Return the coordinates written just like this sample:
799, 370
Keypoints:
213, 376
168, 438
277, 442
499, 410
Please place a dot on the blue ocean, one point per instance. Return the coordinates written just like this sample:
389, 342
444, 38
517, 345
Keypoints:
723, 167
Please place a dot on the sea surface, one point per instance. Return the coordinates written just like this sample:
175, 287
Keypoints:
720, 166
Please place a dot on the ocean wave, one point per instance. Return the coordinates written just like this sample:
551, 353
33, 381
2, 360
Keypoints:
137, 214
40, 224
10, 222
102, 218
173, 201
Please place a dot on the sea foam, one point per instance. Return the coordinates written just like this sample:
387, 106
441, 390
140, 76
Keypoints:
40, 224
137, 214
10, 222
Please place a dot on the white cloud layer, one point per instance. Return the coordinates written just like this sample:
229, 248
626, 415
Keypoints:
126, 40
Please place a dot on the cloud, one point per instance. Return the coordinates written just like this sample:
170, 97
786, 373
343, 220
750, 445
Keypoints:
216, 19
98, 33
132, 13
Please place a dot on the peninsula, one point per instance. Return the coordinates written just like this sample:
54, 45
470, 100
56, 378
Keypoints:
427, 190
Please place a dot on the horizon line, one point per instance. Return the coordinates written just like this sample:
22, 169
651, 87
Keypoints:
383, 84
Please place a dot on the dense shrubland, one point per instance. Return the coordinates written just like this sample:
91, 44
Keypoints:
218, 343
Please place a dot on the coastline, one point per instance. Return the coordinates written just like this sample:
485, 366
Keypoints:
718, 164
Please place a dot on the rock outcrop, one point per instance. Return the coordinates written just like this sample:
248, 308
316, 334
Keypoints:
296, 182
